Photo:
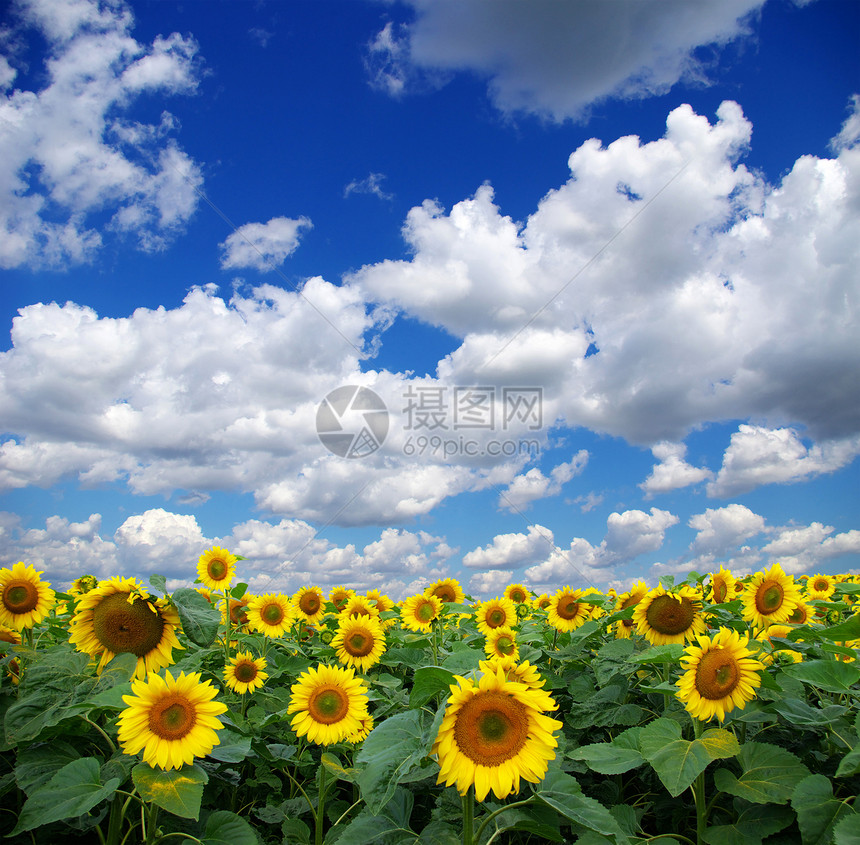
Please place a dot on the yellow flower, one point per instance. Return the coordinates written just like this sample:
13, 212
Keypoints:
120, 617
631, 598
171, 720
522, 673
493, 734
665, 617
418, 612
722, 586
719, 675
786, 654
820, 587
309, 604
245, 673
542, 602
216, 568
329, 703
83, 585
361, 734
238, 612
502, 642
517, 593
802, 614
359, 641
270, 614
496, 613
360, 605
25, 599
566, 612
770, 597
448, 590
339, 596
381, 601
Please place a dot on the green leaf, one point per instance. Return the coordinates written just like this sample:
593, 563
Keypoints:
179, 791
233, 748
609, 758
769, 774
847, 830
239, 590
333, 765
563, 794
850, 764
829, 675
462, 661
797, 712
390, 826
39, 763
753, 824
439, 833
817, 810
720, 744
226, 828
158, 582
73, 791
669, 653
200, 621
427, 683
843, 632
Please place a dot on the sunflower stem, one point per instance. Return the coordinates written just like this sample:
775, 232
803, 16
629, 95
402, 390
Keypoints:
468, 816
320, 813
117, 811
227, 627
699, 793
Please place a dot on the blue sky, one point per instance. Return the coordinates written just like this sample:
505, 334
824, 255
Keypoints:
640, 217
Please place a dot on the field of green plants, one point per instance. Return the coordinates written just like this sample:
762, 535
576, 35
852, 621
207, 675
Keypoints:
714, 710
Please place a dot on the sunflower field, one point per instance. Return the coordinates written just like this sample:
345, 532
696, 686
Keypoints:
716, 710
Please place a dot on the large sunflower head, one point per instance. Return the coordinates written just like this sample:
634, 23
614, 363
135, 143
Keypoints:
722, 586
631, 598
448, 590
517, 593
329, 703
770, 597
820, 587
495, 613
566, 611
418, 612
171, 721
502, 642
309, 604
245, 673
719, 675
359, 641
216, 568
270, 614
120, 617
25, 599
665, 617
494, 733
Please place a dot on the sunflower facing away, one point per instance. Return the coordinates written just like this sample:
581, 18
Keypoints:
517, 593
770, 597
359, 641
495, 613
502, 642
330, 704
493, 734
448, 590
120, 617
719, 675
418, 612
25, 599
216, 568
820, 587
309, 604
637, 592
665, 617
270, 614
171, 721
245, 673
566, 612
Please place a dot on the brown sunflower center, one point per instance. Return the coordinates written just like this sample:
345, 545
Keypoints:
567, 608
272, 614
122, 627
359, 643
821, 586
495, 617
720, 591
239, 611
518, 596
717, 674
328, 704
246, 671
172, 717
310, 603
505, 645
217, 569
543, 604
669, 616
491, 728
20, 596
769, 597
425, 611
798, 616
339, 601
444, 593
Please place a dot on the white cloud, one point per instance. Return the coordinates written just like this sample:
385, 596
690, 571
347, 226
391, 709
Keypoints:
67, 154
486, 585
672, 472
721, 529
806, 549
263, 246
534, 485
371, 184
556, 59
512, 550
757, 455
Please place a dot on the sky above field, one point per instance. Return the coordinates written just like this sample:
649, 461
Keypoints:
377, 293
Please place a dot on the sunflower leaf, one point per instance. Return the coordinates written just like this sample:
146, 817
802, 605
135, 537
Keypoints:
226, 828
428, 682
817, 810
769, 774
752, 825
179, 791
676, 761
829, 675
847, 830
200, 621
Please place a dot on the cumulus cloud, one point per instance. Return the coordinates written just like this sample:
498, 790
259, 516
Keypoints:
534, 485
556, 59
512, 550
721, 529
263, 246
757, 455
808, 548
72, 165
672, 472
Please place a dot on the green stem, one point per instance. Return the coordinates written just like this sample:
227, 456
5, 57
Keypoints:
468, 817
495, 813
107, 739
152, 825
227, 627
320, 813
699, 793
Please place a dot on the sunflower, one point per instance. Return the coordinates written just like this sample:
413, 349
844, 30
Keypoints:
25, 600
820, 587
448, 590
770, 597
637, 591
120, 617
329, 703
171, 720
493, 733
517, 593
665, 617
502, 642
359, 641
83, 585
496, 613
216, 568
309, 604
566, 612
522, 673
418, 612
360, 605
801, 614
9, 636
542, 602
361, 734
245, 673
787, 655
719, 675
382, 601
339, 596
722, 586
238, 612
270, 614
